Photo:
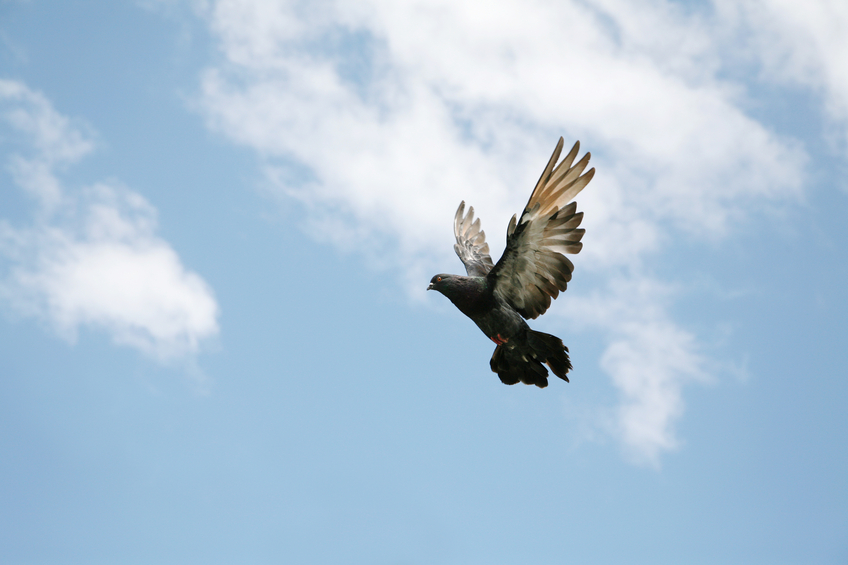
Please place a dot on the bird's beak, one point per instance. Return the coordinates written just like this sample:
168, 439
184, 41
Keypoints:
430, 286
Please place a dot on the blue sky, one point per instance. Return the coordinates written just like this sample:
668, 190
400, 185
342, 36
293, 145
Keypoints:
218, 219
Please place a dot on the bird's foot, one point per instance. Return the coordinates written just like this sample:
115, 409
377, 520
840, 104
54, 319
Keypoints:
499, 340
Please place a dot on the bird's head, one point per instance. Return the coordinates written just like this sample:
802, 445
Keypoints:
440, 283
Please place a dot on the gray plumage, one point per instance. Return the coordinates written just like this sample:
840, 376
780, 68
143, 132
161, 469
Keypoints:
532, 271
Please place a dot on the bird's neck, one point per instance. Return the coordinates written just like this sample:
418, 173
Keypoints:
470, 294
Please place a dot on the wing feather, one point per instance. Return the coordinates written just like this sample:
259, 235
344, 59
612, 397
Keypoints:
534, 269
471, 246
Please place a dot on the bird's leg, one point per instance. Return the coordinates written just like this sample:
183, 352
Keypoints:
499, 340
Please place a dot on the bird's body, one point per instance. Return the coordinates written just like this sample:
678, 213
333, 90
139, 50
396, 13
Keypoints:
475, 297
531, 272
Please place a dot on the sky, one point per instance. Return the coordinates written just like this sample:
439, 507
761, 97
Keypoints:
218, 220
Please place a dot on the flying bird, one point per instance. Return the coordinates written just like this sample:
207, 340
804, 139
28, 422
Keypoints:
532, 270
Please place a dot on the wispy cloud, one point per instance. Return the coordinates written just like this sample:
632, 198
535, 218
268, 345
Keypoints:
380, 116
801, 44
649, 357
91, 257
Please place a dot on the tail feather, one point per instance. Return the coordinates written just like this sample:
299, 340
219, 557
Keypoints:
524, 362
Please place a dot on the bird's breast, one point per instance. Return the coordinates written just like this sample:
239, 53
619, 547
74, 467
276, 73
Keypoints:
500, 323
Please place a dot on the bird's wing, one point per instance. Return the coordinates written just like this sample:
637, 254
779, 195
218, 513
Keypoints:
471, 243
533, 268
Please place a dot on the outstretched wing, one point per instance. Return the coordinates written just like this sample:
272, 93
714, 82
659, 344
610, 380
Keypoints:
471, 243
534, 268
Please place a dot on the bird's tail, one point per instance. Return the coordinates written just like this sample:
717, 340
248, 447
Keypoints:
525, 362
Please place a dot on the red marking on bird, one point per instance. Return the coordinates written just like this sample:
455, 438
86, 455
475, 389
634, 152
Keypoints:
499, 340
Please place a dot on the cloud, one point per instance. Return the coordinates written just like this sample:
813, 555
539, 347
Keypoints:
91, 257
649, 357
797, 44
380, 116
53, 142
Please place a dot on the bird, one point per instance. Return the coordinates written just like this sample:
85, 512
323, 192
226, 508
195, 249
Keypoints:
532, 271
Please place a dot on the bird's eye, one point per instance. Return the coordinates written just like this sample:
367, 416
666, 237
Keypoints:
438, 279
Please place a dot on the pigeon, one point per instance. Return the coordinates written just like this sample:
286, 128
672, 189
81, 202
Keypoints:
532, 270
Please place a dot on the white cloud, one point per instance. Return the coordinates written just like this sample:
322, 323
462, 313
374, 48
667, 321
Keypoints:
804, 44
92, 257
53, 141
797, 43
648, 356
399, 110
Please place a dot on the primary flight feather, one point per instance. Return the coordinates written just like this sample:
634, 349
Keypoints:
532, 270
